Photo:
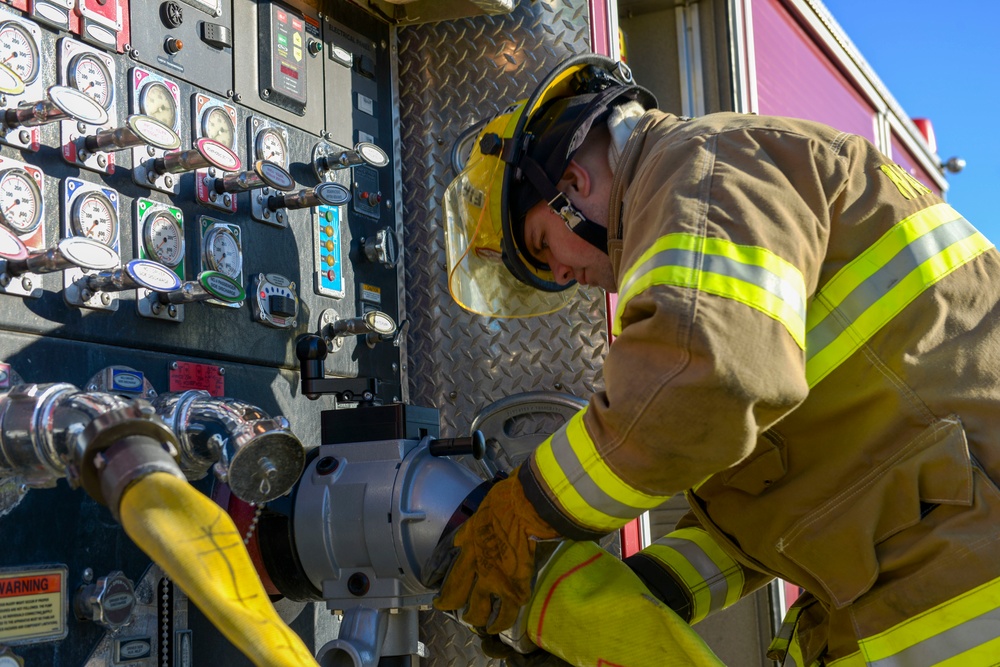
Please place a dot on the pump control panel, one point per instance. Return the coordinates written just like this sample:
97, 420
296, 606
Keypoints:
164, 206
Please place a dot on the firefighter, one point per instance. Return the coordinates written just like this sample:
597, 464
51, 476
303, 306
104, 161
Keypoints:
807, 344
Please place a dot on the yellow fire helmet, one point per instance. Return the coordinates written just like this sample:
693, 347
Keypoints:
515, 162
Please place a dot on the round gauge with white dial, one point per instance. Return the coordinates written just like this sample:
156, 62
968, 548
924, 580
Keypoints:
88, 74
164, 239
20, 200
222, 252
95, 217
156, 101
271, 146
216, 124
20, 52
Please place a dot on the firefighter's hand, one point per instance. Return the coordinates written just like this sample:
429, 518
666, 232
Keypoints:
495, 559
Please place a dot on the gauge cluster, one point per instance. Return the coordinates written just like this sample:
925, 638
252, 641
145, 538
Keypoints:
185, 144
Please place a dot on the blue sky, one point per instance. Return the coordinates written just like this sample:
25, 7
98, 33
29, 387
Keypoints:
940, 60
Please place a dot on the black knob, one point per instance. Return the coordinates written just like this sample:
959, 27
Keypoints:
172, 14
474, 446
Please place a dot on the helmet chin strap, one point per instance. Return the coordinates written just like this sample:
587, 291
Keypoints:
578, 223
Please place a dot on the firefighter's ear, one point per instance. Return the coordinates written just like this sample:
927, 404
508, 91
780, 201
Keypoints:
576, 180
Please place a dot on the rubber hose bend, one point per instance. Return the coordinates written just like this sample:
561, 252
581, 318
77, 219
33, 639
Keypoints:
199, 547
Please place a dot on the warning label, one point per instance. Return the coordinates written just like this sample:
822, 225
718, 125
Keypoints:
32, 605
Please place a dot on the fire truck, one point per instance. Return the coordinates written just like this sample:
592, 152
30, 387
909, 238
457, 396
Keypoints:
222, 257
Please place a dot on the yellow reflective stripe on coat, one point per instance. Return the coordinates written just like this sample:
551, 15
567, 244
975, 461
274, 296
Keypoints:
712, 577
874, 287
752, 275
590, 492
963, 631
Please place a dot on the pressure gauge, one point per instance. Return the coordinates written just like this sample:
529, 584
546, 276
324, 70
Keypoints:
20, 200
89, 75
156, 101
20, 49
164, 239
217, 125
222, 252
271, 146
95, 217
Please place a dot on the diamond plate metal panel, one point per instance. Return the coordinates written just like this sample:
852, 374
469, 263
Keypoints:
451, 75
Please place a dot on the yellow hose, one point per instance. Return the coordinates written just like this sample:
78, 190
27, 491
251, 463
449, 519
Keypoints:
198, 546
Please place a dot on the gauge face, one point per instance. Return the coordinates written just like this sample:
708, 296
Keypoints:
20, 200
218, 126
19, 49
89, 75
156, 101
222, 252
271, 146
164, 239
95, 217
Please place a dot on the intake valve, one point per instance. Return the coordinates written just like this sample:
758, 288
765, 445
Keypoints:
60, 103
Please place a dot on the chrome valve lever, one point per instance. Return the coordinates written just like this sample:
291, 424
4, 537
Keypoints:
138, 130
60, 103
329, 194
363, 153
207, 153
209, 285
137, 273
265, 174
76, 251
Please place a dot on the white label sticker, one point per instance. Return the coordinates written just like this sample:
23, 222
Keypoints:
11, 247
371, 294
154, 132
153, 276
219, 155
366, 104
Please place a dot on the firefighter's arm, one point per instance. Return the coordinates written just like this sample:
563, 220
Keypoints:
690, 573
711, 330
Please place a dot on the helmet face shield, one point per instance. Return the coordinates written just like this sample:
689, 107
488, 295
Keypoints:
478, 275
489, 272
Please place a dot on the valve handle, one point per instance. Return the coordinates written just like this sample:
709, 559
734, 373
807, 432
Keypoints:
475, 445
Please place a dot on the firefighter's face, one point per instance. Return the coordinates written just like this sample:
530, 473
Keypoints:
569, 257
587, 183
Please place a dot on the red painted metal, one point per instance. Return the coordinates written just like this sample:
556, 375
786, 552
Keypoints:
795, 77
927, 130
600, 31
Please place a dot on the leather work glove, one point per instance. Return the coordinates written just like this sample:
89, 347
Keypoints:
495, 559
